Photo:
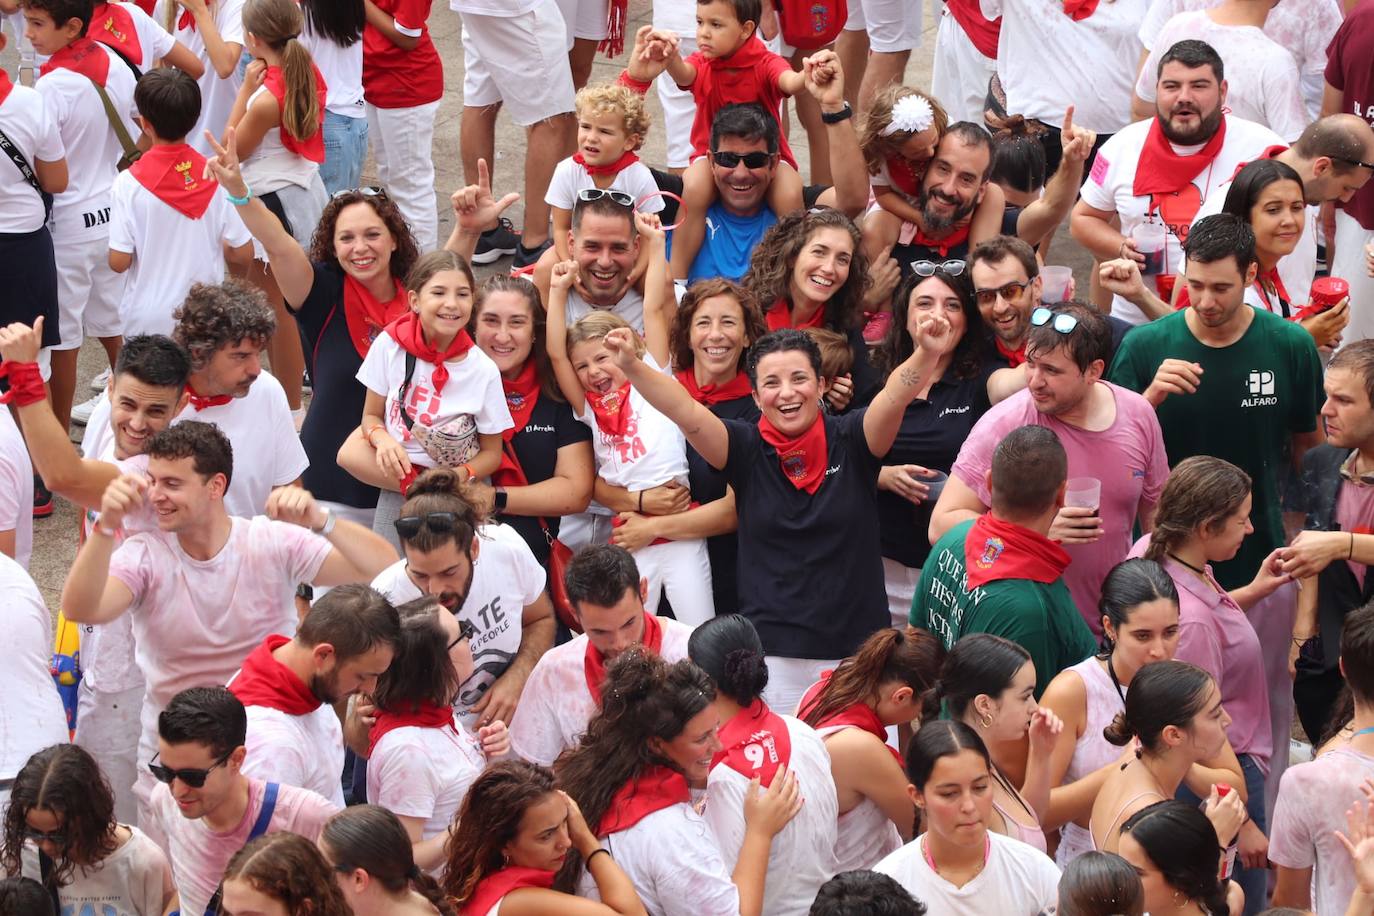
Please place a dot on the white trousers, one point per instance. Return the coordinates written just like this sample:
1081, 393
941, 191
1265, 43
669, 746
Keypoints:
901, 588
1349, 265
789, 678
403, 146
961, 75
107, 727
682, 569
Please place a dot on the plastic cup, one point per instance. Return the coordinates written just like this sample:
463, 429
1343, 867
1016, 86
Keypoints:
1083, 493
1328, 291
1150, 239
936, 481
1054, 284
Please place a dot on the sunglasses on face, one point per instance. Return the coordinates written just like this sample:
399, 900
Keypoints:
1063, 323
193, 778
1008, 291
366, 191
465, 631
953, 267
755, 160
57, 838
407, 526
587, 195
1364, 165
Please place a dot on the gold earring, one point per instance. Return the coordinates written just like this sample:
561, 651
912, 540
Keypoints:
986, 721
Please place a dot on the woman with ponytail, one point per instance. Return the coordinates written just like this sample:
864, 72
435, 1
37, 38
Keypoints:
1174, 849
651, 743
756, 741
281, 874
278, 121
369, 851
988, 683
334, 37
514, 833
852, 709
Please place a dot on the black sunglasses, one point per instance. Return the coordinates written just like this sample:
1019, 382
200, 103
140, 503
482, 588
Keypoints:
1364, 165
57, 838
587, 195
407, 526
755, 160
193, 778
1008, 291
954, 267
371, 190
465, 631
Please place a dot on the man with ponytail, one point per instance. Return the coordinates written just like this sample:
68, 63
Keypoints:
1000, 573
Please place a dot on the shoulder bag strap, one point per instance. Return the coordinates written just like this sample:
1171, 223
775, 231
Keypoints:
16, 156
406, 418
126, 143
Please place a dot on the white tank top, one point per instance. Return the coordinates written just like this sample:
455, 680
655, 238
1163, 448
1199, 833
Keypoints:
1092, 751
864, 835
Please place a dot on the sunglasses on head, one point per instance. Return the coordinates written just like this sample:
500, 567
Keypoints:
755, 160
465, 631
587, 195
1008, 291
954, 267
193, 778
1063, 322
366, 191
407, 526
57, 837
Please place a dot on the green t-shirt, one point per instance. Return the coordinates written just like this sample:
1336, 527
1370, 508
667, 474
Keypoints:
1042, 619
1254, 396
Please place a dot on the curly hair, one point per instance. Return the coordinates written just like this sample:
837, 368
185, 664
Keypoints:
489, 820
897, 344
769, 277
1200, 493
322, 242
612, 98
288, 868
877, 147
680, 335
65, 780
217, 315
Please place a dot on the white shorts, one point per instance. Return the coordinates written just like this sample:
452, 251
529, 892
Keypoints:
682, 570
962, 73
88, 292
585, 19
519, 61
892, 25
107, 726
789, 678
901, 588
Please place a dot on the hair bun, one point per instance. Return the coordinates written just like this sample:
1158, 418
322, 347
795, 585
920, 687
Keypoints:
1119, 731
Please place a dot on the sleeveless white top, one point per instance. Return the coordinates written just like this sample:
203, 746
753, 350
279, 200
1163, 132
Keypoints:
864, 835
1092, 752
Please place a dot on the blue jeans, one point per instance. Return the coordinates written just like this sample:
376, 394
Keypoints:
345, 148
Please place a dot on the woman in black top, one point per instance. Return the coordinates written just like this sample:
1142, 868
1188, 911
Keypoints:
712, 329
935, 424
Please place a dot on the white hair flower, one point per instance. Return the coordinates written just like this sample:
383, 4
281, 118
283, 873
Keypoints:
911, 114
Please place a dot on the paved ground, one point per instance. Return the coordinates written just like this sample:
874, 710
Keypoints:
55, 537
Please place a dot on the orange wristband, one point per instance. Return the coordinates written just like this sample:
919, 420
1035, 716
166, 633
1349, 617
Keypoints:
468, 468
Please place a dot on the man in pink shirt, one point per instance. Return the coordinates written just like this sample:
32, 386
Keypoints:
207, 808
1109, 433
206, 588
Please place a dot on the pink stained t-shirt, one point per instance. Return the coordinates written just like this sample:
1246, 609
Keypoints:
1355, 513
1312, 801
199, 855
1215, 635
1128, 457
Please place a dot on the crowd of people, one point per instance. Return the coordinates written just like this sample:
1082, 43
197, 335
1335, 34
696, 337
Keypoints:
780, 535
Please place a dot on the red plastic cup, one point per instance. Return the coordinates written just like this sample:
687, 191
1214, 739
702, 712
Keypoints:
1327, 291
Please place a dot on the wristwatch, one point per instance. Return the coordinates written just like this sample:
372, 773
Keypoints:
329, 521
499, 500
835, 117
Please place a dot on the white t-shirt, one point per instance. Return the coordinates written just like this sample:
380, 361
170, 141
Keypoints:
425, 773
635, 180
1312, 801
195, 621
652, 452
865, 834
216, 95
506, 579
1296, 270
342, 69
1094, 60
267, 449
447, 422
271, 166
672, 859
556, 705
93, 151
199, 855
1261, 76
500, 8
134, 880
171, 252
1109, 186
25, 120
802, 856
630, 308
154, 42
305, 751
31, 717
16, 488
1018, 880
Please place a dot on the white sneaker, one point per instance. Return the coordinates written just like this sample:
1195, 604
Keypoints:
81, 413
101, 380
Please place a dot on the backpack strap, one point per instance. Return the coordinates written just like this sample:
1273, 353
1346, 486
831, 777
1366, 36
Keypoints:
126, 143
269, 806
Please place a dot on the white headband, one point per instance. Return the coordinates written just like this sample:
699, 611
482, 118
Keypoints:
911, 114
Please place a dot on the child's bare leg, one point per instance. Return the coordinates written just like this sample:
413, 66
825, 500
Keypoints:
698, 193
785, 193
880, 230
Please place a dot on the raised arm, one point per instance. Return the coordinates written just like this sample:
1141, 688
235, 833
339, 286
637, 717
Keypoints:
473, 208
224, 55
1043, 216
90, 594
825, 81
655, 287
556, 335
884, 416
359, 553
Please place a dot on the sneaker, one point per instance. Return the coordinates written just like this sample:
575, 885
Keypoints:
42, 498
495, 244
875, 327
526, 258
81, 413
100, 381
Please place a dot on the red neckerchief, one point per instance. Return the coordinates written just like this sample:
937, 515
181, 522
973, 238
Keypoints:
410, 335
427, 715
1163, 171
187, 21
496, 885
112, 25
858, 715
312, 146
779, 316
174, 174
1014, 357
1269, 153
995, 550
522, 393
365, 316
612, 410
656, 788
903, 175
5, 86
627, 159
1078, 10
711, 393
1272, 276
264, 681
755, 743
203, 402
594, 664
957, 237
83, 56
802, 459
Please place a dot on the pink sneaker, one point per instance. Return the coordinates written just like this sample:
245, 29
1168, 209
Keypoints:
875, 327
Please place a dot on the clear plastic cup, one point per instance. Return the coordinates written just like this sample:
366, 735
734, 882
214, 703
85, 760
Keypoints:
1054, 284
1083, 493
1150, 239
936, 481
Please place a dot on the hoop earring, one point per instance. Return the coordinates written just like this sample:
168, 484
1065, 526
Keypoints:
985, 721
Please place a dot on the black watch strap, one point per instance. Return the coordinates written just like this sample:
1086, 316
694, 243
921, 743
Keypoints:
835, 117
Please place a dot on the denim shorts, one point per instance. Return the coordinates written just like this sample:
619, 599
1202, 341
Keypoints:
345, 149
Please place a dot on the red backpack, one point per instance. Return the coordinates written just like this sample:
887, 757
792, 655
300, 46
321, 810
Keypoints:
810, 24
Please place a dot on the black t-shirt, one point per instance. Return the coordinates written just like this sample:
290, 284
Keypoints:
551, 426
707, 485
336, 407
810, 569
905, 254
931, 434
